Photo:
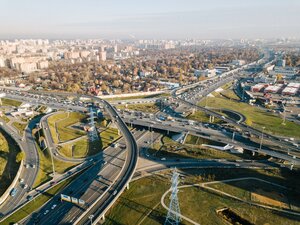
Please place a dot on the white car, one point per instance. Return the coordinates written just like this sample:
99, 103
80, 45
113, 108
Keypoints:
21, 180
26, 166
46, 212
25, 186
54, 206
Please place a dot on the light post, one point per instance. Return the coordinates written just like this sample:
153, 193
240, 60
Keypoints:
91, 218
262, 136
233, 134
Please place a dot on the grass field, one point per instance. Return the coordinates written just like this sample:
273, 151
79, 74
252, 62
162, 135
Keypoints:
191, 149
8, 164
139, 97
5, 118
145, 107
108, 136
81, 148
255, 117
134, 204
45, 168
141, 203
36, 203
260, 192
61, 122
10, 102
20, 127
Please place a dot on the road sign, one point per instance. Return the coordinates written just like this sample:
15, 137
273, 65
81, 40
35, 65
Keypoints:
74, 200
65, 198
81, 202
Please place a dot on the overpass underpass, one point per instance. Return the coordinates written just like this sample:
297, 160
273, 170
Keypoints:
214, 136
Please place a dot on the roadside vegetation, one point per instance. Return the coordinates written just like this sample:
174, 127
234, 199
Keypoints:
9, 164
10, 102
167, 147
36, 203
255, 117
143, 107
59, 125
141, 203
20, 127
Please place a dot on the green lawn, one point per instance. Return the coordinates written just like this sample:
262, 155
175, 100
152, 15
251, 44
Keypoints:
135, 203
5, 118
141, 203
81, 148
108, 136
36, 203
20, 127
45, 168
139, 97
191, 149
256, 117
243, 189
62, 121
8, 164
144, 107
10, 102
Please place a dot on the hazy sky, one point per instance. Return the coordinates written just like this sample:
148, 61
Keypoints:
149, 18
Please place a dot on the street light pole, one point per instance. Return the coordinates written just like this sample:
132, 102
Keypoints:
233, 134
261, 140
91, 218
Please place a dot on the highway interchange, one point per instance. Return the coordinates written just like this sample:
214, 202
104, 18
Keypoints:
105, 176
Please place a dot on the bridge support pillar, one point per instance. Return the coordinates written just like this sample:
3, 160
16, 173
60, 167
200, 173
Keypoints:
211, 119
168, 132
103, 218
292, 165
127, 186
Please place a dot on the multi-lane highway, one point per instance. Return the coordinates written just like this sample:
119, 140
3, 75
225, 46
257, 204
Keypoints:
29, 170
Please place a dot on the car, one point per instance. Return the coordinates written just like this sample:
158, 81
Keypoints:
46, 212
53, 206
21, 180
13, 192
163, 159
25, 186
32, 165
26, 166
52, 183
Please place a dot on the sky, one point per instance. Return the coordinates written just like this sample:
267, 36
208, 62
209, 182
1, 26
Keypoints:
149, 19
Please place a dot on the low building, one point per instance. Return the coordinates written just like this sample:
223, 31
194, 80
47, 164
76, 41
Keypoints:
205, 73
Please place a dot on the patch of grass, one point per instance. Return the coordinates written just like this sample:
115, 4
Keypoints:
139, 97
142, 198
202, 117
108, 136
5, 118
141, 203
8, 165
145, 107
244, 189
52, 125
81, 148
45, 168
36, 203
256, 117
66, 133
10, 102
191, 149
20, 126
61, 123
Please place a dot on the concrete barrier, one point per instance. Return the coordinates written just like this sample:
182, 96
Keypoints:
12, 185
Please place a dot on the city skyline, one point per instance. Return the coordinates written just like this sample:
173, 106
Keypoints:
162, 20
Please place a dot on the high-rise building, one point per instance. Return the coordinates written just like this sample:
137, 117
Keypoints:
102, 54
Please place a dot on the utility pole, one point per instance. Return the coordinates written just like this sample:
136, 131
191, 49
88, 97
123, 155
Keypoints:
173, 216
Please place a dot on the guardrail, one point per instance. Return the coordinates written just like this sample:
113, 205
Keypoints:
11, 186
